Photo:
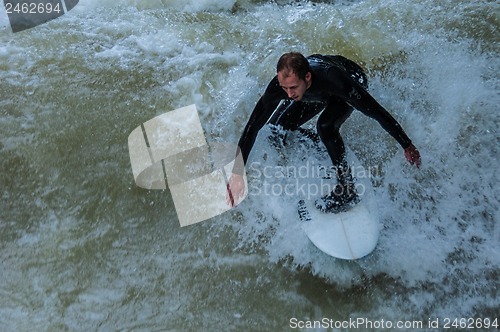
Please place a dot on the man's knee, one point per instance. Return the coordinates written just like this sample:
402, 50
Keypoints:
322, 128
328, 127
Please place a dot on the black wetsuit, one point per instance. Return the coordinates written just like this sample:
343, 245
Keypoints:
338, 86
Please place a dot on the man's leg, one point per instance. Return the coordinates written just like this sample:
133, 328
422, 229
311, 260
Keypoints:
328, 127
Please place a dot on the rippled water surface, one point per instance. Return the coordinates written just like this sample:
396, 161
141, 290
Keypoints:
82, 248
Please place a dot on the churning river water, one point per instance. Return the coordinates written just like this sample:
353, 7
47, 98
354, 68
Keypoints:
82, 248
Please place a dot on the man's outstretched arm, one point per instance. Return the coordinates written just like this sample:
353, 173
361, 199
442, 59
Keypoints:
359, 98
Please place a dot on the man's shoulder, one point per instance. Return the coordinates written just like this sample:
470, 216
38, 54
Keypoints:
336, 66
325, 67
326, 63
273, 85
319, 58
328, 59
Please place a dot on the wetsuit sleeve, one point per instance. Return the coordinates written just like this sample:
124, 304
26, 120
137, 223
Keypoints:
259, 117
359, 98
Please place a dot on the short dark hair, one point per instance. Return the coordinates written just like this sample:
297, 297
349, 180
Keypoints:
294, 62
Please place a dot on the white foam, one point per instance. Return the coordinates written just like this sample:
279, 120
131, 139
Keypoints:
438, 251
200, 5
4, 19
181, 5
430, 218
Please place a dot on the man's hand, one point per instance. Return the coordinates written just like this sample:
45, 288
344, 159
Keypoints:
412, 155
235, 189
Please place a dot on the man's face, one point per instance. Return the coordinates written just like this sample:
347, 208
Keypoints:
292, 85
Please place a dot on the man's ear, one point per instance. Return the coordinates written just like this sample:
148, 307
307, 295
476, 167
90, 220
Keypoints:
308, 77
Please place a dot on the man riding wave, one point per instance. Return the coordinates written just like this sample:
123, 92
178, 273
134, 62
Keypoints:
303, 88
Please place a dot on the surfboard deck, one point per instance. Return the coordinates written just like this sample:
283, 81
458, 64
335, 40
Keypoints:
349, 235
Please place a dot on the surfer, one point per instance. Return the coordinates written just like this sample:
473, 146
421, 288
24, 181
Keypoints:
304, 87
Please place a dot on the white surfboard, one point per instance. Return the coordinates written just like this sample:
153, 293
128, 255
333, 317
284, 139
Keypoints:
352, 234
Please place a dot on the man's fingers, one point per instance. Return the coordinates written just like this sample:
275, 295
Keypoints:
229, 196
230, 199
